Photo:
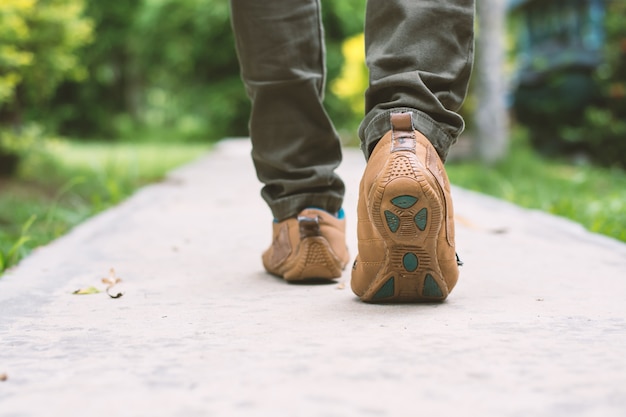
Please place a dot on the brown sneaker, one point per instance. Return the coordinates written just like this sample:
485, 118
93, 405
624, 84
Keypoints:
405, 221
311, 246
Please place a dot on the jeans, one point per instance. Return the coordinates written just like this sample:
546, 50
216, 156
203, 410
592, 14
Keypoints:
419, 54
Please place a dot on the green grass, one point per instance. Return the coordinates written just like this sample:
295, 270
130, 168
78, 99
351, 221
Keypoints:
592, 196
67, 182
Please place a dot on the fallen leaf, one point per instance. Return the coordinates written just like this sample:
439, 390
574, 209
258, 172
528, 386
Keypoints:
112, 279
341, 286
114, 295
4, 377
88, 290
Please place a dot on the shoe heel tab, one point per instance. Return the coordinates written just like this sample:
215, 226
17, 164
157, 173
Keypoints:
402, 133
402, 122
309, 226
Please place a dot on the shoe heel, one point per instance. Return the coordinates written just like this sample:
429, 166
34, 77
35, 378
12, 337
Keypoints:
408, 214
315, 260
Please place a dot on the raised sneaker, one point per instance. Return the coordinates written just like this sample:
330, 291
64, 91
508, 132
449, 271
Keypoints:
405, 221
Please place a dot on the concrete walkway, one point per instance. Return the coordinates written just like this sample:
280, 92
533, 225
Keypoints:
536, 326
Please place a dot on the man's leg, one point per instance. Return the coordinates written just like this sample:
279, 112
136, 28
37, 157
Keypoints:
419, 53
295, 147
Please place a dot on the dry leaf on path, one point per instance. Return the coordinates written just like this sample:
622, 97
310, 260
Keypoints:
4, 377
88, 290
112, 280
115, 294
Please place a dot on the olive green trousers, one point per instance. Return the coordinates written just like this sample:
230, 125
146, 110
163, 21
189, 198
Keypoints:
419, 54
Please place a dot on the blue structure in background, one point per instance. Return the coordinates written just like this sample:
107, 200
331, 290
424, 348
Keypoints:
559, 45
558, 34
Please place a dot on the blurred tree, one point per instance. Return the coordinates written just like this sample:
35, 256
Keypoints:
112, 88
490, 119
168, 68
570, 82
13, 33
601, 134
354, 78
345, 54
571, 90
39, 40
190, 67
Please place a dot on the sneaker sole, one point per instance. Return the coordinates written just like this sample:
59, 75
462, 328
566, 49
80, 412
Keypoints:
315, 260
407, 212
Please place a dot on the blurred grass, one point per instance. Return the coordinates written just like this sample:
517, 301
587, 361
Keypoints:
67, 182
592, 196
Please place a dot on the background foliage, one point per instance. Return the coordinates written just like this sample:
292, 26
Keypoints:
602, 133
168, 68
40, 43
39, 49
135, 70
581, 109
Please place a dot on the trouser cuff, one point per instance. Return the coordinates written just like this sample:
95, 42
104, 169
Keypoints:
381, 124
287, 207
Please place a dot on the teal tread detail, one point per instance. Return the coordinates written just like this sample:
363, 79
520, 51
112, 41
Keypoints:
386, 291
393, 221
410, 262
431, 289
421, 218
404, 201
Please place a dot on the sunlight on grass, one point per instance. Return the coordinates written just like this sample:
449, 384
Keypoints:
68, 182
141, 162
592, 196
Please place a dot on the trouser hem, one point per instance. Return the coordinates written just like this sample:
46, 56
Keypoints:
288, 207
371, 133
